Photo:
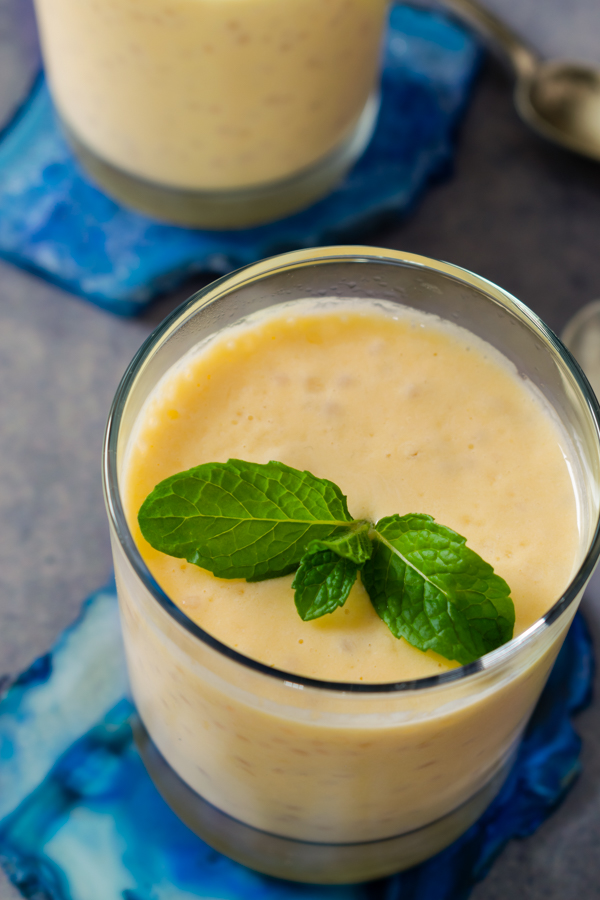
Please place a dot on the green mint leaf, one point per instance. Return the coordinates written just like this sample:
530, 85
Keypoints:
435, 592
242, 520
322, 583
355, 544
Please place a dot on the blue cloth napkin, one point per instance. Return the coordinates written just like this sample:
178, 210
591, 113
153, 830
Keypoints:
55, 222
81, 820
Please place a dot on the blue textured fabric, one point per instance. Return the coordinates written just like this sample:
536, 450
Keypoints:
55, 222
81, 820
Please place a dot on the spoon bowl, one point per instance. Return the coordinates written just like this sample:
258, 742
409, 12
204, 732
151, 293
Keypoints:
562, 103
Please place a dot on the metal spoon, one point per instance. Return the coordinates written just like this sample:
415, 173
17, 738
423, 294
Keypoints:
558, 99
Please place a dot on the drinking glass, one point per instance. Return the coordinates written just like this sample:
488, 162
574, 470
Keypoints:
319, 781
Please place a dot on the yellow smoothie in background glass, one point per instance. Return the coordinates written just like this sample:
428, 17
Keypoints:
367, 744
211, 95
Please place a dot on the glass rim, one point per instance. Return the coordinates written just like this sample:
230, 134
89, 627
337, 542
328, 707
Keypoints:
257, 272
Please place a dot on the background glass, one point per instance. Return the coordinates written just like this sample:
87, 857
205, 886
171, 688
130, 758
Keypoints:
216, 114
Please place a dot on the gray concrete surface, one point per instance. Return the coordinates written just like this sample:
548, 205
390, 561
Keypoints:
515, 210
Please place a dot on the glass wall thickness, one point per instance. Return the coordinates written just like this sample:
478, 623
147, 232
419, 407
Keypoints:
333, 764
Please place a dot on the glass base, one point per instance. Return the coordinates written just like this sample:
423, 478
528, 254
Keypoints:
237, 208
312, 863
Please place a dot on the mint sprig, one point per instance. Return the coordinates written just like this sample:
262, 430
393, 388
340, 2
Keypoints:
245, 520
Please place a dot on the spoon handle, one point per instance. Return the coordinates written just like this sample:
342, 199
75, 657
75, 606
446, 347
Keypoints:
521, 57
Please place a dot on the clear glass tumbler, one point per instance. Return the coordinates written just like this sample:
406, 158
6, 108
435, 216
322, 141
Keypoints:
215, 114
331, 782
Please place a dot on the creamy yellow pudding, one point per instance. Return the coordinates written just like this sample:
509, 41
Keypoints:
406, 415
211, 94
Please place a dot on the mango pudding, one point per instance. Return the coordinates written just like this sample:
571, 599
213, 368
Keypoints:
406, 415
335, 731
